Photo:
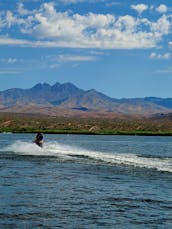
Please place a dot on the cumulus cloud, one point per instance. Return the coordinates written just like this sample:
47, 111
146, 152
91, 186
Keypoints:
139, 8
22, 10
162, 9
48, 27
10, 19
161, 26
165, 56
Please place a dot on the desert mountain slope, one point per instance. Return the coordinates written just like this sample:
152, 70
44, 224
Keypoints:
47, 99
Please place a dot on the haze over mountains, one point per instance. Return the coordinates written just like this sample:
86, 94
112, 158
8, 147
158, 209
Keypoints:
67, 99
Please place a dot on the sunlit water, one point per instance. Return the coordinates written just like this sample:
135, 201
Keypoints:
85, 181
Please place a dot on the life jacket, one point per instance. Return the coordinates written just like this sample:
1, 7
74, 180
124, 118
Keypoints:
39, 137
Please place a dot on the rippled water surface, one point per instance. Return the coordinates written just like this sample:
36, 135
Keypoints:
82, 181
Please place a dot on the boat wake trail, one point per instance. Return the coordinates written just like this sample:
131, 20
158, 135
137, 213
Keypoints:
75, 154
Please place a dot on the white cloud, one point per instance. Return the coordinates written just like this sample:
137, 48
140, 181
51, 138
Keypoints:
79, 1
13, 41
97, 30
160, 28
139, 8
48, 27
12, 60
164, 71
22, 10
55, 61
152, 7
10, 18
75, 58
170, 44
10, 71
112, 4
9, 60
71, 1
98, 53
162, 8
165, 56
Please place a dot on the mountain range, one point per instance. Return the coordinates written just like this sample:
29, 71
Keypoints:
67, 99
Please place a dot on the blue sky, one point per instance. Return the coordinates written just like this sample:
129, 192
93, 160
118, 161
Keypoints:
120, 48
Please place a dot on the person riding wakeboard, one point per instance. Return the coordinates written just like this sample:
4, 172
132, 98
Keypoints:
39, 139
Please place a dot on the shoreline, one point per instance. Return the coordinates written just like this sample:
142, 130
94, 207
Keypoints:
22, 123
85, 132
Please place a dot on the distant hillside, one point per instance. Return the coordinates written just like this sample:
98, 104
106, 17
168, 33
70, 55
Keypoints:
67, 99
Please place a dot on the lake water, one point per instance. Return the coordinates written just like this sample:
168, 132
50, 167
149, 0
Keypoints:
85, 181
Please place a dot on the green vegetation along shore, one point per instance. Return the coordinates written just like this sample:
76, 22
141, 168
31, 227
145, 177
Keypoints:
25, 123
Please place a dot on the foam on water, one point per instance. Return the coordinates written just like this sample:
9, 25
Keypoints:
67, 152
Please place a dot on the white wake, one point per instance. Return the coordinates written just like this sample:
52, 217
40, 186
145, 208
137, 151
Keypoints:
67, 152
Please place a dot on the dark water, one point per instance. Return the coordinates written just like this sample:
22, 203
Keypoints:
79, 181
